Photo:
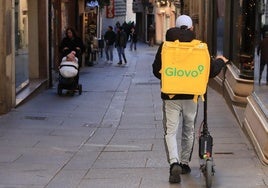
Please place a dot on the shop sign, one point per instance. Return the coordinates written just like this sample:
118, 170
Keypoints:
110, 10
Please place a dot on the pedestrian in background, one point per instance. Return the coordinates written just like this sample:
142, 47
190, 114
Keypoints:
263, 51
126, 28
109, 38
116, 27
181, 107
121, 43
71, 42
151, 35
133, 39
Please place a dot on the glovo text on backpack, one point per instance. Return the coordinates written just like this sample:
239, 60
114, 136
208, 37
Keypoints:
185, 68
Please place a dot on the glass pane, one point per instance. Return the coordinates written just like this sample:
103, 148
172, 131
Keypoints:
220, 25
261, 57
244, 22
21, 44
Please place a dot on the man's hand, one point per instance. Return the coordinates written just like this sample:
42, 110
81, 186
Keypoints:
223, 58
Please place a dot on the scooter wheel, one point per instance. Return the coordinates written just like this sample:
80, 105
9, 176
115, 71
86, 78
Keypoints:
209, 173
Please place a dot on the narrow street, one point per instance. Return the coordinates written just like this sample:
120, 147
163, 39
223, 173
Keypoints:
111, 136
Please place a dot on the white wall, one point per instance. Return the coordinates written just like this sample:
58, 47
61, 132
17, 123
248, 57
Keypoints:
130, 16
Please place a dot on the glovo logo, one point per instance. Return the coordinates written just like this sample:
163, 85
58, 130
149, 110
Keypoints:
174, 72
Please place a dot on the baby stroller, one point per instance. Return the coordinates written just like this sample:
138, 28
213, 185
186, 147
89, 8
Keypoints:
69, 75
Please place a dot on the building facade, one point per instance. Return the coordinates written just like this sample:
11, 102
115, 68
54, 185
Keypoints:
23, 58
31, 32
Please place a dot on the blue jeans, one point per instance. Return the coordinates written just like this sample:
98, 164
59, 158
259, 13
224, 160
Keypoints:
133, 44
109, 52
176, 112
121, 53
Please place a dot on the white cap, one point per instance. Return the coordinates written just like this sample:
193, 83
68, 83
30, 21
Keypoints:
184, 20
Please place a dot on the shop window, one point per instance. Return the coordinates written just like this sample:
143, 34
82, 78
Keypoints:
261, 74
220, 25
244, 37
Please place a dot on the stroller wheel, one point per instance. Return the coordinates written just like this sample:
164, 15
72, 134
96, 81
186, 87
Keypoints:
59, 90
80, 89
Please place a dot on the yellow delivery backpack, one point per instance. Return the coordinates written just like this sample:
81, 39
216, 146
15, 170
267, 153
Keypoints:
185, 68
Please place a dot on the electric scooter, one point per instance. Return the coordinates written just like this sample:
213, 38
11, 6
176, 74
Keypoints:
205, 149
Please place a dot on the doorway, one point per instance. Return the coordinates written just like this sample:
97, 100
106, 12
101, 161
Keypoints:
21, 45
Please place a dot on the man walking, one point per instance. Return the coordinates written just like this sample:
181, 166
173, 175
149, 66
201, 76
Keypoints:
133, 39
109, 38
180, 107
120, 43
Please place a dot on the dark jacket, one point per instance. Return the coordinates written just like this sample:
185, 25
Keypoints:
71, 44
134, 36
109, 37
183, 36
121, 39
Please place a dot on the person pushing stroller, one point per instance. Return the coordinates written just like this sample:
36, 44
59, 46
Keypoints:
69, 74
71, 42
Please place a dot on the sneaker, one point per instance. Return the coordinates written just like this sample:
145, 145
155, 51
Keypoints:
185, 168
119, 63
174, 173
